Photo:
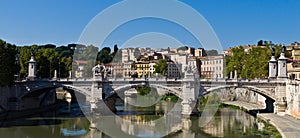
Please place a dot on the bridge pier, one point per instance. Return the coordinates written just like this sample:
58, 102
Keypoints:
190, 92
186, 128
189, 108
280, 105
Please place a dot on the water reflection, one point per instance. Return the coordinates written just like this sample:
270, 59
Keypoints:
143, 122
226, 123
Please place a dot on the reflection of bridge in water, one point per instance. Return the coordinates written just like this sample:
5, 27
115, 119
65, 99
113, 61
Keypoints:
224, 124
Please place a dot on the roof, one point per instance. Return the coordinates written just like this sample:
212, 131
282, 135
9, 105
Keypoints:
80, 62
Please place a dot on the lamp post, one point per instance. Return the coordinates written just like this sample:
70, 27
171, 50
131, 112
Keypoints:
18, 65
59, 68
50, 70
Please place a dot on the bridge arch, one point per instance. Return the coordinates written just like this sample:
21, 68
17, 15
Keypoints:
77, 89
260, 91
129, 86
65, 86
269, 101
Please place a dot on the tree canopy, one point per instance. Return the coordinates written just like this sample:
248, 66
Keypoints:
161, 66
211, 52
8, 67
253, 64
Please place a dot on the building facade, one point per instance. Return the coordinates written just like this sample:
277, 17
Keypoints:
212, 67
200, 52
80, 67
173, 70
142, 68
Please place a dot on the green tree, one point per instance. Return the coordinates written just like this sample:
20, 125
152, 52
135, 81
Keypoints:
87, 70
104, 55
144, 90
161, 66
183, 48
260, 43
116, 48
253, 64
256, 63
236, 61
90, 53
24, 58
7, 64
211, 52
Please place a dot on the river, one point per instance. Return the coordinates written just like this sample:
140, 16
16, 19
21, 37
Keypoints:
139, 122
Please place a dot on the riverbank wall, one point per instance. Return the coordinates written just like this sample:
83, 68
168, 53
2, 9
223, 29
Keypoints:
16, 99
293, 98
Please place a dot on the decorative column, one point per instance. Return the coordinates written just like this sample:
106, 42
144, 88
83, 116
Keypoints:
32, 67
55, 75
235, 74
272, 68
282, 67
280, 91
231, 75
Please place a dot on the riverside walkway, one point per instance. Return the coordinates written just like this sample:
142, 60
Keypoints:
247, 106
288, 126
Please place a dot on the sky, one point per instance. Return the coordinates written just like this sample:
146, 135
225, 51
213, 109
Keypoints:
234, 22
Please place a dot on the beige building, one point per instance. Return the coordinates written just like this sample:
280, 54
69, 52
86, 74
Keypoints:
228, 52
187, 50
117, 70
181, 59
293, 51
80, 67
125, 55
212, 67
127, 69
200, 52
293, 70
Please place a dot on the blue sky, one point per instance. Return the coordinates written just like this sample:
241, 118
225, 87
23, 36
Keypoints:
235, 22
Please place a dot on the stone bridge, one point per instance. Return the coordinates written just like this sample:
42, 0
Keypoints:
278, 88
188, 89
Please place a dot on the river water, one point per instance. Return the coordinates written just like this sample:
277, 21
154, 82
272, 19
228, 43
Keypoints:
152, 121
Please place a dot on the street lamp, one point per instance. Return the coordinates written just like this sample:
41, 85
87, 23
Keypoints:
18, 65
58, 67
50, 70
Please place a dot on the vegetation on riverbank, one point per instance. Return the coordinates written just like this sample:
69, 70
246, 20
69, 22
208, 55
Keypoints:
171, 98
264, 130
268, 130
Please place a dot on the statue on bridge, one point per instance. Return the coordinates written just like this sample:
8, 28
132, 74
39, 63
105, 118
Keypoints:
283, 49
101, 71
273, 50
190, 71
